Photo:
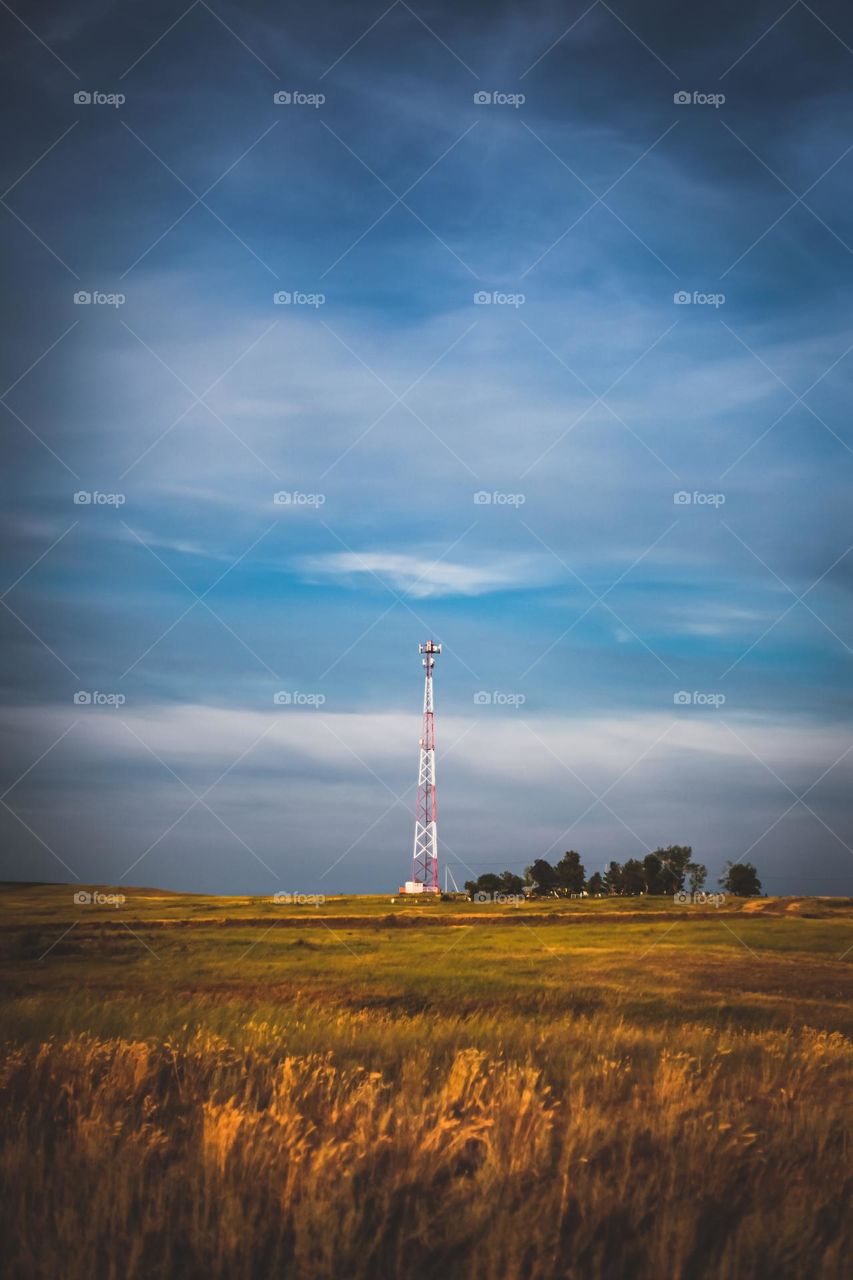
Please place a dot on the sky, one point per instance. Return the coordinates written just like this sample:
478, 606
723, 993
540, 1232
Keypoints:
334, 329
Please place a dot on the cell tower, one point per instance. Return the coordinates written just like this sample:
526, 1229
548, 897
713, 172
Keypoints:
425, 858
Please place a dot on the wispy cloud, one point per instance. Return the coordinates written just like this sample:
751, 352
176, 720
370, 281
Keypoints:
422, 576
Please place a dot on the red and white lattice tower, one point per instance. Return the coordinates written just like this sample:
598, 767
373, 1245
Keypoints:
425, 857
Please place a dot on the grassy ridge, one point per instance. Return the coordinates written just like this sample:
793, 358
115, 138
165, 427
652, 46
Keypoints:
55, 903
596, 1099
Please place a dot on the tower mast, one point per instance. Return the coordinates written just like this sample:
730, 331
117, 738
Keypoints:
425, 856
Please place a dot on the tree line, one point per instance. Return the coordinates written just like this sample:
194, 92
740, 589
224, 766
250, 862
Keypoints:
664, 871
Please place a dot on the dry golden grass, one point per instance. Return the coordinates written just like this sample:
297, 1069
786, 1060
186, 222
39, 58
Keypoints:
721, 1156
657, 1100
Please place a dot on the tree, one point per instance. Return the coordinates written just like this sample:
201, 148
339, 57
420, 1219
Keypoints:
595, 884
543, 877
510, 883
570, 872
633, 877
505, 883
654, 878
614, 879
741, 879
488, 883
698, 874
674, 860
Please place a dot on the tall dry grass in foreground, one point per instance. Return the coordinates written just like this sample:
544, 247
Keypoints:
605, 1150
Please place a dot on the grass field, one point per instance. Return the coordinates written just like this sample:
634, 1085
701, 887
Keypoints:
199, 1086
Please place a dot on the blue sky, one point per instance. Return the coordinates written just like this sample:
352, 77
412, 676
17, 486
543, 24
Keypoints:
668, 480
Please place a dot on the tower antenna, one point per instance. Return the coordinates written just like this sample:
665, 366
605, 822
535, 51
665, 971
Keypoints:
425, 856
